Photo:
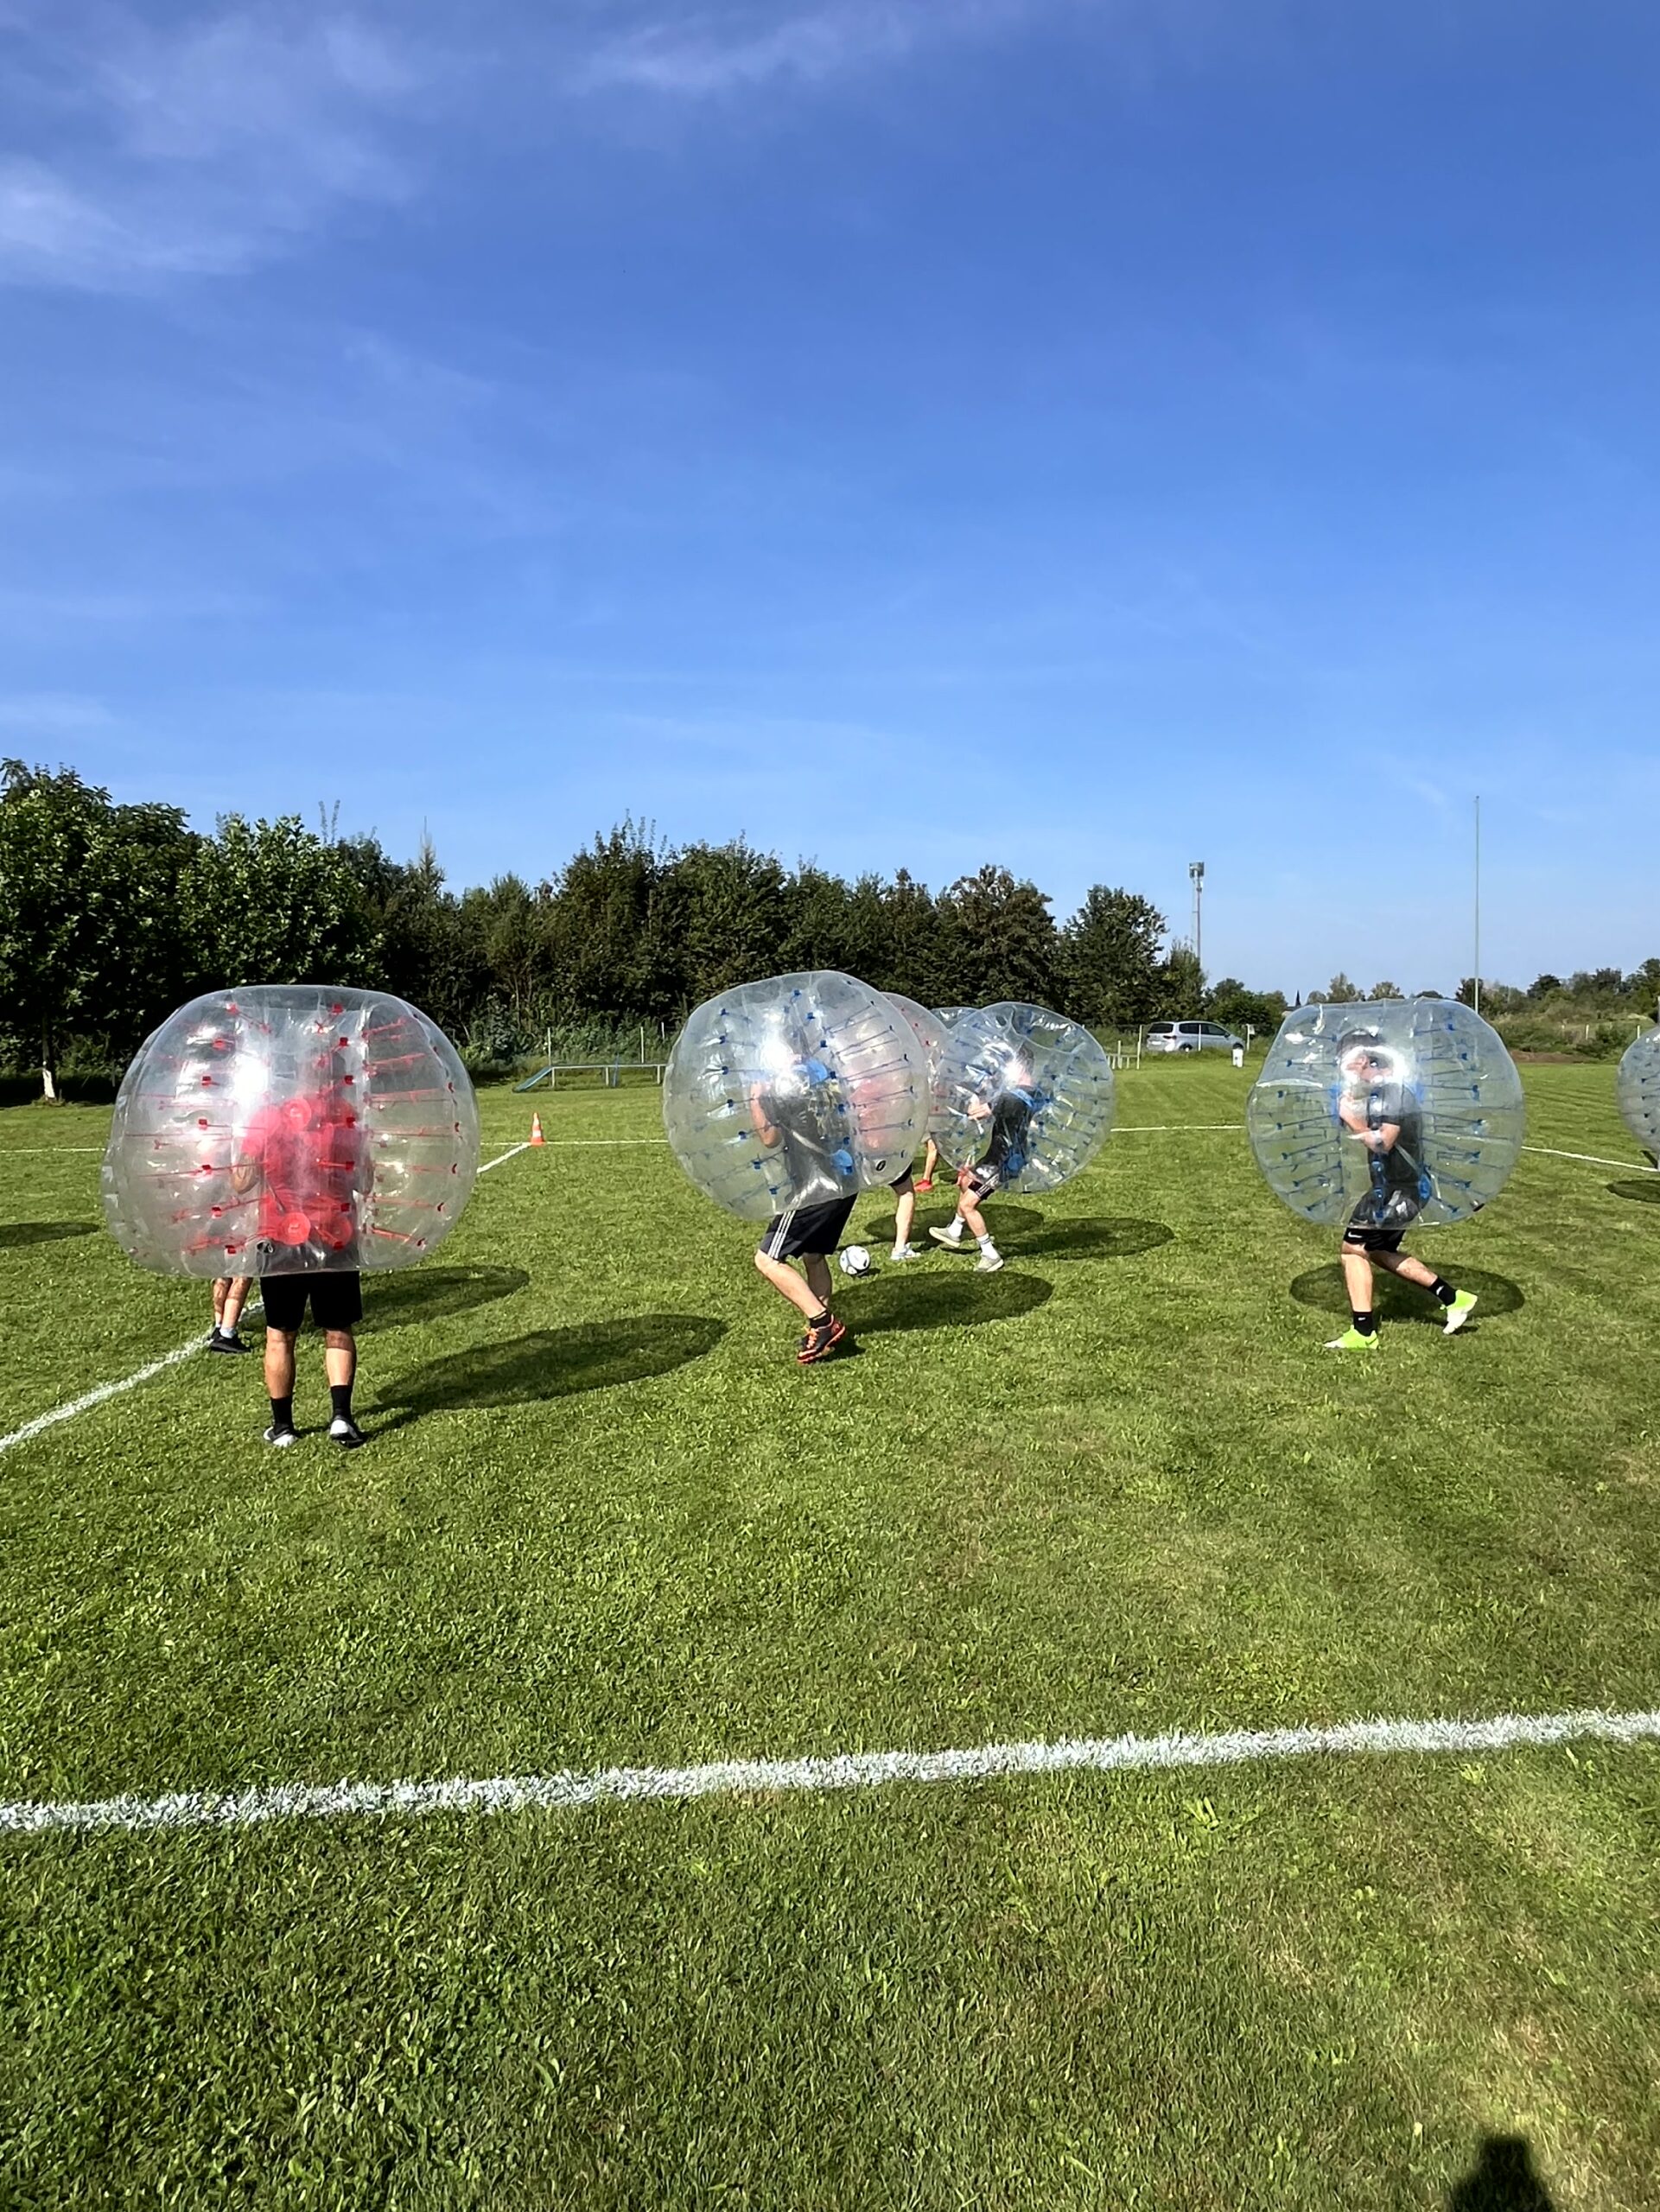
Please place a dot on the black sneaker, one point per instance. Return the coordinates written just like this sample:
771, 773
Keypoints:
344, 1431
218, 1341
281, 1437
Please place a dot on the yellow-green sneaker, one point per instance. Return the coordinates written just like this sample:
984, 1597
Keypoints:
1458, 1312
1351, 1340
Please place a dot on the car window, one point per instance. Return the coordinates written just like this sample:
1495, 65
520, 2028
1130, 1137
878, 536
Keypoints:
1161, 1028
1191, 1028
1214, 1029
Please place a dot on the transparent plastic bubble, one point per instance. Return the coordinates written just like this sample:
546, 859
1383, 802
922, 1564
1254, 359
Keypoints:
1026, 1091
932, 1033
290, 1129
1639, 1090
1431, 1067
827, 1066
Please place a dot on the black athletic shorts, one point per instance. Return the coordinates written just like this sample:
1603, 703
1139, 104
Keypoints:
807, 1232
1359, 1238
982, 1180
902, 1183
336, 1300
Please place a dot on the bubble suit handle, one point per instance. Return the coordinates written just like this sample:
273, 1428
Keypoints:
1026, 1089
794, 1091
1432, 1067
290, 1129
1639, 1090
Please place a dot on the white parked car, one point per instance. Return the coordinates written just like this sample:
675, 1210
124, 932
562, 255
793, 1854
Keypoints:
1192, 1037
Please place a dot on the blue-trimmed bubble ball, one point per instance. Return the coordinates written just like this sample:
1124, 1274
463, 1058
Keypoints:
1431, 1067
932, 1032
795, 1091
290, 1129
1026, 1093
1639, 1090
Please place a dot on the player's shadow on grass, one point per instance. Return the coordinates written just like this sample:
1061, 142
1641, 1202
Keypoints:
951, 1297
1503, 2179
1646, 1193
16, 1234
1323, 1288
433, 1293
1084, 1240
552, 1364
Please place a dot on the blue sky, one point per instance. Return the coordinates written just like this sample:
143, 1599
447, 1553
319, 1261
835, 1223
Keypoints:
1093, 434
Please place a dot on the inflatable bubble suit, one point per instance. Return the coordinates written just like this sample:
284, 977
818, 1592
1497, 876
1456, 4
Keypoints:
794, 1092
1432, 1067
290, 1129
1025, 1090
932, 1033
1639, 1090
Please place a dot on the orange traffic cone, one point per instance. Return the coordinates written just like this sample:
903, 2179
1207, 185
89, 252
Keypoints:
537, 1136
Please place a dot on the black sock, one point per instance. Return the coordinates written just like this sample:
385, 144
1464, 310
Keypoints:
282, 1413
818, 1320
340, 1400
1443, 1290
1365, 1324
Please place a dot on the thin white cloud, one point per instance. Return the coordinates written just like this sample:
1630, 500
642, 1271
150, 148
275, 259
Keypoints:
199, 148
695, 54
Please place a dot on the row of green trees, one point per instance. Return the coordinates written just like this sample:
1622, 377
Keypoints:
110, 915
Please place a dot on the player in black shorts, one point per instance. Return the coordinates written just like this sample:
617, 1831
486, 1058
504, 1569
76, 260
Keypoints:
1379, 1110
795, 1115
1010, 1115
306, 1158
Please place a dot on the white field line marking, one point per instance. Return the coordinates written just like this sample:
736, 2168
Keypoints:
1593, 1160
11, 1151
849, 1770
1169, 1128
85, 1404
512, 1152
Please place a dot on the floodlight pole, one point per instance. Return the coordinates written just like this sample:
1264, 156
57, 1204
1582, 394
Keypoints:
1196, 877
1478, 973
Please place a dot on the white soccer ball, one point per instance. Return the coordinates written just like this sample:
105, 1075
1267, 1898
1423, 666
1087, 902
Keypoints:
855, 1260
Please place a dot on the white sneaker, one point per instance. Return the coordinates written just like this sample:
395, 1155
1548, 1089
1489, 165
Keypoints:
944, 1236
905, 1252
989, 1263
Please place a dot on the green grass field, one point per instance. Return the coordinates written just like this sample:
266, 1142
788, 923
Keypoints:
605, 1520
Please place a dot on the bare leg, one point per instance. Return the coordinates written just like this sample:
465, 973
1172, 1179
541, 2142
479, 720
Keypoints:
340, 1356
227, 1311
221, 1293
788, 1284
818, 1280
972, 1215
1409, 1269
279, 1363
930, 1161
905, 1214
1357, 1275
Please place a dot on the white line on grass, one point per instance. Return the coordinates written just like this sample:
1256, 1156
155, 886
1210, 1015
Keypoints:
1592, 1159
104, 1390
10, 1151
849, 1770
1170, 1128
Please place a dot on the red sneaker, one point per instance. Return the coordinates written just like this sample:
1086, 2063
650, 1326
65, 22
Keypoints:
926, 1184
820, 1342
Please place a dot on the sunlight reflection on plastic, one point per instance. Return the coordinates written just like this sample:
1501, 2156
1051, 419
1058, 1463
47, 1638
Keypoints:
1026, 1092
795, 1091
932, 1032
1431, 1067
1639, 1090
288, 1129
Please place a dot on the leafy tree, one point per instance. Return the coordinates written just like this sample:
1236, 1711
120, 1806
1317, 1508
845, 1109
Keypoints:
92, 943
999, 938
1239, 1008
1110, 958
1182, 983
1338, 992
1644, 983
609, 955
1541, 987
1386, 991
819, 925
724, 912
269, 902
911, 953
